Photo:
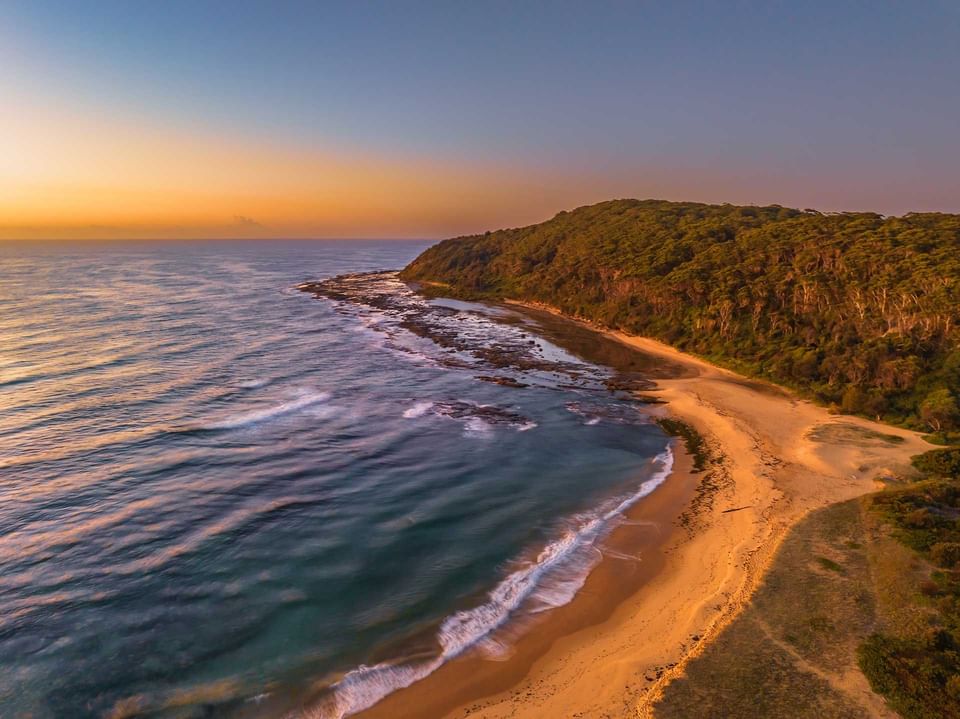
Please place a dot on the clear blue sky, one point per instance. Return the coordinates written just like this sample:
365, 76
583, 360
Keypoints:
840, 105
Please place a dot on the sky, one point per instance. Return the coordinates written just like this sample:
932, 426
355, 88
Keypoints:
132, 119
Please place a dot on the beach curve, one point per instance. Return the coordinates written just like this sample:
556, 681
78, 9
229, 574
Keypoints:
781, 457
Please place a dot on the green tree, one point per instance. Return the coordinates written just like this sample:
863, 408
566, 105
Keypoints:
852, 400
940, 410
817, 302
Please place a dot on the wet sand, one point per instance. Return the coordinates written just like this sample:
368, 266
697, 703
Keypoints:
634, 625
634, 553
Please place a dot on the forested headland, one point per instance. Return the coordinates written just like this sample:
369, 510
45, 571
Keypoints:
854, 309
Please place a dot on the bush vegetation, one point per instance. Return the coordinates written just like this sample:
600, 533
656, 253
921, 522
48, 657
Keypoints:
855, 309
939, 462
919, 671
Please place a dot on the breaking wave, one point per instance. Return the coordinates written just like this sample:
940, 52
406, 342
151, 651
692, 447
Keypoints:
246, 419
551, 580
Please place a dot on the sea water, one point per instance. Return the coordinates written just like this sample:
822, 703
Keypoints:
219, 492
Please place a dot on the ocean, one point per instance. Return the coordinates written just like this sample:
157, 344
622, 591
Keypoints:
222, 495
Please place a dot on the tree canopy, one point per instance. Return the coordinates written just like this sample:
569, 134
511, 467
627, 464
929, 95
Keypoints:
855, 309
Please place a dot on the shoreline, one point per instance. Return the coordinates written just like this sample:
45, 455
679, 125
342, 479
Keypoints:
611, 654
634, 553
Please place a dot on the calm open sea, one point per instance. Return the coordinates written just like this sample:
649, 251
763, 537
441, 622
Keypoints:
219, 493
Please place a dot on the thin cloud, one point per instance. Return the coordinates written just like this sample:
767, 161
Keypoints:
244, 221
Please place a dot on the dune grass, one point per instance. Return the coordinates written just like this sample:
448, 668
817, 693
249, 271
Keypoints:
788, 653
859, 615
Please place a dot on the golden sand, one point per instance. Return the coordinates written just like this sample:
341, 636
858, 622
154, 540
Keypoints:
635, 624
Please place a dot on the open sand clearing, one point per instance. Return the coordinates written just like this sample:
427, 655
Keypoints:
609, 655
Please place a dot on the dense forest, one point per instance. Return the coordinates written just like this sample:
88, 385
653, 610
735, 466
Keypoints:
855, 309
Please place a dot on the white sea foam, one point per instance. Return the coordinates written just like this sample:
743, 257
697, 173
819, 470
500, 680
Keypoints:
252, 383
551, 580
563, 584
607, 552
322, 411
495, 650
472, 325
475, 426
418, 410
304, 400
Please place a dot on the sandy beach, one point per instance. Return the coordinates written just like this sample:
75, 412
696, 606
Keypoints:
636, 623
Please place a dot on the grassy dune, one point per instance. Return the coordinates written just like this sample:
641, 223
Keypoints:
855, 618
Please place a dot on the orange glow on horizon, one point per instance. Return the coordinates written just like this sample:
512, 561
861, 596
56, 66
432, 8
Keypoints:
89, 178
66, 174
